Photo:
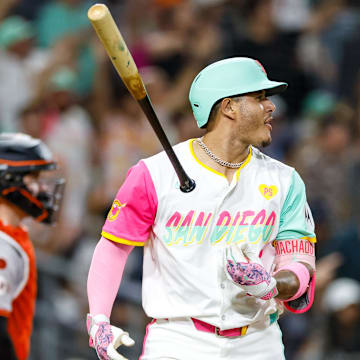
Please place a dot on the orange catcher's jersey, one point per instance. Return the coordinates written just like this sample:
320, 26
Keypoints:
185, 234
17, 286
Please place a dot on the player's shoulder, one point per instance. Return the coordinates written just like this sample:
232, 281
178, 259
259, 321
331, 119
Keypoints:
271, 164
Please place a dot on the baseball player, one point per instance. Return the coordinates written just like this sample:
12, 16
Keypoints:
220, 262
22, 193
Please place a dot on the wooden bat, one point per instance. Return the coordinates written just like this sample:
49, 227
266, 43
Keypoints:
110, 36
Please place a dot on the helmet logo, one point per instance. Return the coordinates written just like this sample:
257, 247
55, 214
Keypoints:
261, 67
115, 209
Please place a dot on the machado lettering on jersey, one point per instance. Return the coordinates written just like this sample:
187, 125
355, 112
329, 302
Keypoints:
192, 228
295, 246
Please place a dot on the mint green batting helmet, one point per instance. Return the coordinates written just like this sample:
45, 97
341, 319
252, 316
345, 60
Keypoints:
225, 78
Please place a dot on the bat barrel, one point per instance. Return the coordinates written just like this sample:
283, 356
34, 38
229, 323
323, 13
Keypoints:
115, 46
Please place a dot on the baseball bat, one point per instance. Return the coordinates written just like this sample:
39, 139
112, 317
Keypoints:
115, 46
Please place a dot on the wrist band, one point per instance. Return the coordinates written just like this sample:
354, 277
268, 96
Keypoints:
302, 273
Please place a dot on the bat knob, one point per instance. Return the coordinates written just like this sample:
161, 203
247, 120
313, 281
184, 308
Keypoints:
188, 186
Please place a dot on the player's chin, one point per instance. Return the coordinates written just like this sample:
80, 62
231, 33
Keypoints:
262, 138
262, 143
266, 142
265, 138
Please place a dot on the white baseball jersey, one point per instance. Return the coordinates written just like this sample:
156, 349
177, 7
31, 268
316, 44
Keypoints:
14, 271
184, 234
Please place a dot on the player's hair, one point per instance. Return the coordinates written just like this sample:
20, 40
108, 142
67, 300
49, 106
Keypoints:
213, 112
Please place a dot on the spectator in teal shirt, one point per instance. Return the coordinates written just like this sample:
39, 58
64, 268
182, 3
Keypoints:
65, 22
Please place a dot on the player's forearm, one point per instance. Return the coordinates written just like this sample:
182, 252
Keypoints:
287, 282
6, 347
105, 275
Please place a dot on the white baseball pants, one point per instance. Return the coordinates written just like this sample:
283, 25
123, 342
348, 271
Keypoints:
179, 340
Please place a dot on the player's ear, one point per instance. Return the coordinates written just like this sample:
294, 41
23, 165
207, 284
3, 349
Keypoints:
227, 108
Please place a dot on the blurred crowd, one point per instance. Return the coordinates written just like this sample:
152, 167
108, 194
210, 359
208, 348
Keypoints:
57, 83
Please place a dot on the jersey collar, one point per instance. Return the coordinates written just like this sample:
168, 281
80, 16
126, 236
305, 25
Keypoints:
247, 160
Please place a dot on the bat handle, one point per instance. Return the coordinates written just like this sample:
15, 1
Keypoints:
186, 184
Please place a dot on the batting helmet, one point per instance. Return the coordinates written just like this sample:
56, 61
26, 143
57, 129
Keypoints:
21, 155
229, 77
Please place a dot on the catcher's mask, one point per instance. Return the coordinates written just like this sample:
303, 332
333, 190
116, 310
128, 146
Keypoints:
22, 158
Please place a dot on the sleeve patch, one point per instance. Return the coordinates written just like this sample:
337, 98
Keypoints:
115, 210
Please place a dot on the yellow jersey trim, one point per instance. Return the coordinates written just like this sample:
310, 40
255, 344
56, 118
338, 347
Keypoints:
214, 171
311, 239
120, 240
201, 163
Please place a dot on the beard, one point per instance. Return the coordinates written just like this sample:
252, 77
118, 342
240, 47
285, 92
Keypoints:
266, 143
262, 143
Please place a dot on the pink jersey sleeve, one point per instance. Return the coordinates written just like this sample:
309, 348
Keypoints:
133, 211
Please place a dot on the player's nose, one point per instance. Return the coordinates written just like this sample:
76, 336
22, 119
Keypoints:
269, 106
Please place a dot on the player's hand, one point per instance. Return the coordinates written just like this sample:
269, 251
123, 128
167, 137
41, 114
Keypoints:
105, 339
244, 268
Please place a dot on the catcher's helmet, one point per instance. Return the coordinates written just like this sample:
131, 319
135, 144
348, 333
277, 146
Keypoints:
21, 155
229, 77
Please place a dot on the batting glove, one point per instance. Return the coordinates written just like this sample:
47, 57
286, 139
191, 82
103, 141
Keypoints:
244, 268
105, 339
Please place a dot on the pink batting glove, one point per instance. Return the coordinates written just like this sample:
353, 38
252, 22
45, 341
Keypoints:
244, 268
105, 339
